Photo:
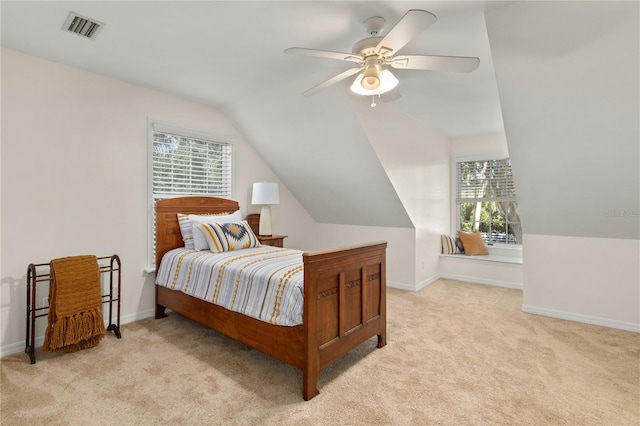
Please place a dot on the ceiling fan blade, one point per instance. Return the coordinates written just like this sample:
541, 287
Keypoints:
407, 28
332, 80
323, 54
435, 63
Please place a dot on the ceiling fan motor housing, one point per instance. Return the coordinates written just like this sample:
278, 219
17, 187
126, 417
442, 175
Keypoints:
366, 46
374, 25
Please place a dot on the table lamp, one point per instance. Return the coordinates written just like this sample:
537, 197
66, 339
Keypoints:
265, 194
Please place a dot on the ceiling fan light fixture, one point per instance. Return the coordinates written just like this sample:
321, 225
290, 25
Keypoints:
371, 78
387, 80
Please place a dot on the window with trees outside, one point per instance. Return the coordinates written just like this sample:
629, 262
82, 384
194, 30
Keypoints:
184, 163
486, 200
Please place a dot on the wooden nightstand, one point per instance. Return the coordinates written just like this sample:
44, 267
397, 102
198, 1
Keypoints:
273, 240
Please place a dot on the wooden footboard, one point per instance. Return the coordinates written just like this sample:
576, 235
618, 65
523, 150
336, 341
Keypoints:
344, 305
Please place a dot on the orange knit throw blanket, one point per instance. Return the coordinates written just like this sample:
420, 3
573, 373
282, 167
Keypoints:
75, 305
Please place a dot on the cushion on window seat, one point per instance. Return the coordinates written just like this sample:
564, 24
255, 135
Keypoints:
472, 243
451, 244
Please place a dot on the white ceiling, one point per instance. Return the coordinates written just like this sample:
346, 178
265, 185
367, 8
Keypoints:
221, 52
229, 54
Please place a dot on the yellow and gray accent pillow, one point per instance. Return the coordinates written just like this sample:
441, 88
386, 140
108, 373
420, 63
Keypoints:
188, 222
223, 237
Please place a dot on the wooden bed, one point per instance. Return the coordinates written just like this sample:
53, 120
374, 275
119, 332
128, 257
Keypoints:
344, 299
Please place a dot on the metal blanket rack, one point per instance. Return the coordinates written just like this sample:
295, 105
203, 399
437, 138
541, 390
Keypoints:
35, 275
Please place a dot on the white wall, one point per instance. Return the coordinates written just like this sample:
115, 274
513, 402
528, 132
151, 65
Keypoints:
592, 280
567, 74
74, 177
417, 163
490, 143
400, 247
473, 270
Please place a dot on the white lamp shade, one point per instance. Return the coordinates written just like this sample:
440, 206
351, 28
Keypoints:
265, 193
388, 81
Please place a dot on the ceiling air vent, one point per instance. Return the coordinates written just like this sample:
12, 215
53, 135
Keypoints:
82, 26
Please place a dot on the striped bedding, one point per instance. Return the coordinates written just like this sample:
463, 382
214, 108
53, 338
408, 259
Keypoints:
262, 282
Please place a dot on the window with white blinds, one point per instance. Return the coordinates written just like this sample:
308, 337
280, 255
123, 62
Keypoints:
489, 180
486, 200
190, 166
184, 162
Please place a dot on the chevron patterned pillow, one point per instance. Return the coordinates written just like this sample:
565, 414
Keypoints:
229, 236
196, 241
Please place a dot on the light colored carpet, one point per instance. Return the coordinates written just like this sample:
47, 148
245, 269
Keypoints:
457, 354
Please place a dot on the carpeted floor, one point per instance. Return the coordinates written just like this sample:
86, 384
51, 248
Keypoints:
457, 354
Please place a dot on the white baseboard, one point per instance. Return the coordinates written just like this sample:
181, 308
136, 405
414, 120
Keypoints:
517, 286
415, 287
587, 319
429, 281
401, 286
18, 347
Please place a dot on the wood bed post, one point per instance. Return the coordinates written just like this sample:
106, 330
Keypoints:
382, 336
160, 313
311, 360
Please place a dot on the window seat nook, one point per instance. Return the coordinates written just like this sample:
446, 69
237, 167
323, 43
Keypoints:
503, 253
484, 258
501, 267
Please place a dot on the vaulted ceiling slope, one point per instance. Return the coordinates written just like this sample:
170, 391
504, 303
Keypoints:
568, 78
230, 55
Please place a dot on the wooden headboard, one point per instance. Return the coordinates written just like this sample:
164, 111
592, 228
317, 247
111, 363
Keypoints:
168, 234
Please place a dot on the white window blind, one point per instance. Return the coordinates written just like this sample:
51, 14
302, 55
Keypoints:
182, 163
489, 180
190, 166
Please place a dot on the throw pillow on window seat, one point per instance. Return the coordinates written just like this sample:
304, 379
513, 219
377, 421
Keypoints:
451, 244
472, 243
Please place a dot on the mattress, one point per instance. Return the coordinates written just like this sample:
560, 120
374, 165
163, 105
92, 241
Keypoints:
264, 282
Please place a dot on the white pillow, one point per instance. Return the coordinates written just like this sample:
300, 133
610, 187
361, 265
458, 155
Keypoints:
199, 240
185, 230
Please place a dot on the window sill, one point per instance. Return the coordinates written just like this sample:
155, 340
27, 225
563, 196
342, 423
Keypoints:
484, 258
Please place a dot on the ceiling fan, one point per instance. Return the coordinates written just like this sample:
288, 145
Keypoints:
373, 54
